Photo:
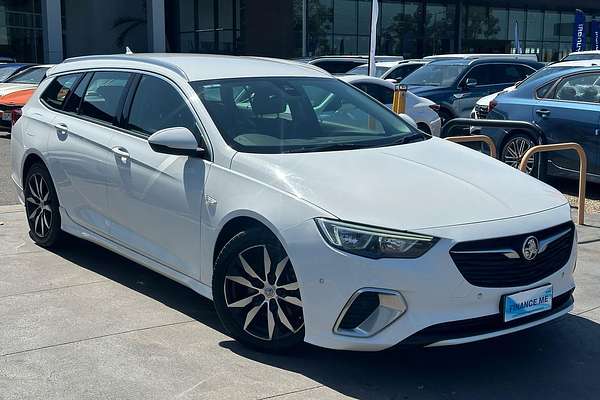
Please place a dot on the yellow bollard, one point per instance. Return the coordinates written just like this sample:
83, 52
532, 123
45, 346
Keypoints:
399, 103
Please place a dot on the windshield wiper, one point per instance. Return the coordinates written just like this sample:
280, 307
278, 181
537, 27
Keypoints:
326, 147
415, 137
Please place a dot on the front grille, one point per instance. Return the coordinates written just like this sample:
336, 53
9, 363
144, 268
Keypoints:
481, 111
360, 309
483, 262
482, 325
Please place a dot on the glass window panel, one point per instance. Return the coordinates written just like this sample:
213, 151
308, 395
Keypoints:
187, 42
102, 97
344, 16
206, 14
535, 24
476, 22
391, 13
226, 14
344, 44
498, 24
186, 15
566, 25
364, 17
551, 25
59, 89
206, 42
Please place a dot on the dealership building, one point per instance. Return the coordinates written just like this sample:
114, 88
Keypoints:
50, 30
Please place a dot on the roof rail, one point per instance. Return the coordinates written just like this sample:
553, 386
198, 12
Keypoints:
130, 57
477, 56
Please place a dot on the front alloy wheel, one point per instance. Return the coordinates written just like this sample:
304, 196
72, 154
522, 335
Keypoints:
514, 150
257, 294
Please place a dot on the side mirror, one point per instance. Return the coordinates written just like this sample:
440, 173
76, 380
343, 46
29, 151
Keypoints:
178, 141
391, 80
470, 83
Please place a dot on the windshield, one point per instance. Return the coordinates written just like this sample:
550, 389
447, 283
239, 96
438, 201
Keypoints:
289, 114
435, 74
6, 71
31, 75
364, 70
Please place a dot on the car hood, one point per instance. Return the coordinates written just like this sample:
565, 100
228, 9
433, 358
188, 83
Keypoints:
7, 88
418, 89
427, 184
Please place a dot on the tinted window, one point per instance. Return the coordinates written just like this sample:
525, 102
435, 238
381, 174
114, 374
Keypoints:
403, 71
509, 73
585, 88
32, 75
74, 100
435, 74
59, 90
157, 105
337, 66
381, 93
103, 95
364, 70
544, 91
278, 115
481, 73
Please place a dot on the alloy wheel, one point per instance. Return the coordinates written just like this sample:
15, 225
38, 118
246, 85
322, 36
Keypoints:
263, 296
39, 208
514, 151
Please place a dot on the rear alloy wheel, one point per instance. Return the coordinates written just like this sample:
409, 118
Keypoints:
256, 292
41, 206
514, 150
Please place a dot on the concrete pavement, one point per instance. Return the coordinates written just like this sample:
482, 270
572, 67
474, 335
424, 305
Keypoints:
81, 322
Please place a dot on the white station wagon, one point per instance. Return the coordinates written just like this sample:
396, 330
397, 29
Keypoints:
305, 209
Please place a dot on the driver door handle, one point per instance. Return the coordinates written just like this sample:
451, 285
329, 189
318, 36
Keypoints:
122, 153
542, 112
62, 128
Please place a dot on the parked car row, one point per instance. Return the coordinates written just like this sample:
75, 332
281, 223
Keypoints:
17, 84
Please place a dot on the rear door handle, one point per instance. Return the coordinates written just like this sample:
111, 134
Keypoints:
543, 112
62, 128
122, 153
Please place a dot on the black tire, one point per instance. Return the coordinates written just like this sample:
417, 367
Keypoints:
446, 116
42, 207
513, 149
237, 303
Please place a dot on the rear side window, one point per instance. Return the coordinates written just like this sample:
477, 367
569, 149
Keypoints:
74, 100
381, 93
59, 89
509, 73
583, 88
158, 105
103, 95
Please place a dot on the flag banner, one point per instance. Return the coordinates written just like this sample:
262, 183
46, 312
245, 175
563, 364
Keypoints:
579, 31
373, 41
595, 35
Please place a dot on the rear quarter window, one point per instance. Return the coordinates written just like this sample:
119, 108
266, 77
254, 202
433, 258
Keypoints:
59, 89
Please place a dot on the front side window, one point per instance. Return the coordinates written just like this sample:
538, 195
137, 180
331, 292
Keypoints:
157, 105
287, 114
435, 74
103, 95
584, 88
482, 74
31, 76
59, 89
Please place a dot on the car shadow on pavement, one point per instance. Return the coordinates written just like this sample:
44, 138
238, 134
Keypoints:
136, 277
560, 360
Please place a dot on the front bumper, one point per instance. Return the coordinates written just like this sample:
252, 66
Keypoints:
433, 288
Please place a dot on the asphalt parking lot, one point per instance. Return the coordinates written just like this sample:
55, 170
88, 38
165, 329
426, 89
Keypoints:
81, 322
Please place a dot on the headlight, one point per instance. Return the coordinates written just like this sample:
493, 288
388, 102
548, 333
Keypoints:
374, 242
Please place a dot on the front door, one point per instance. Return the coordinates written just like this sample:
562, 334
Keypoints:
156, 199
571, 113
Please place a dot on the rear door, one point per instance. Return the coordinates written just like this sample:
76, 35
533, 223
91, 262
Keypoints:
156, 199
78, 149
571, 113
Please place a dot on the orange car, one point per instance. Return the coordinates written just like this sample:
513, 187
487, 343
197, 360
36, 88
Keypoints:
11, 104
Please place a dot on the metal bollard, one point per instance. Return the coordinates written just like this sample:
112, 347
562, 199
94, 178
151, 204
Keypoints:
399, 103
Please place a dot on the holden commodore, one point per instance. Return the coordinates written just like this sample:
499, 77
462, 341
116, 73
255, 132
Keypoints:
306, 210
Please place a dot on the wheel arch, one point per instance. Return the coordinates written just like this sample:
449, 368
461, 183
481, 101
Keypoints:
539, 139
30, 159
237, 223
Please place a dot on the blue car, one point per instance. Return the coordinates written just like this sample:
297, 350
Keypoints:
457, 83
563, 99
